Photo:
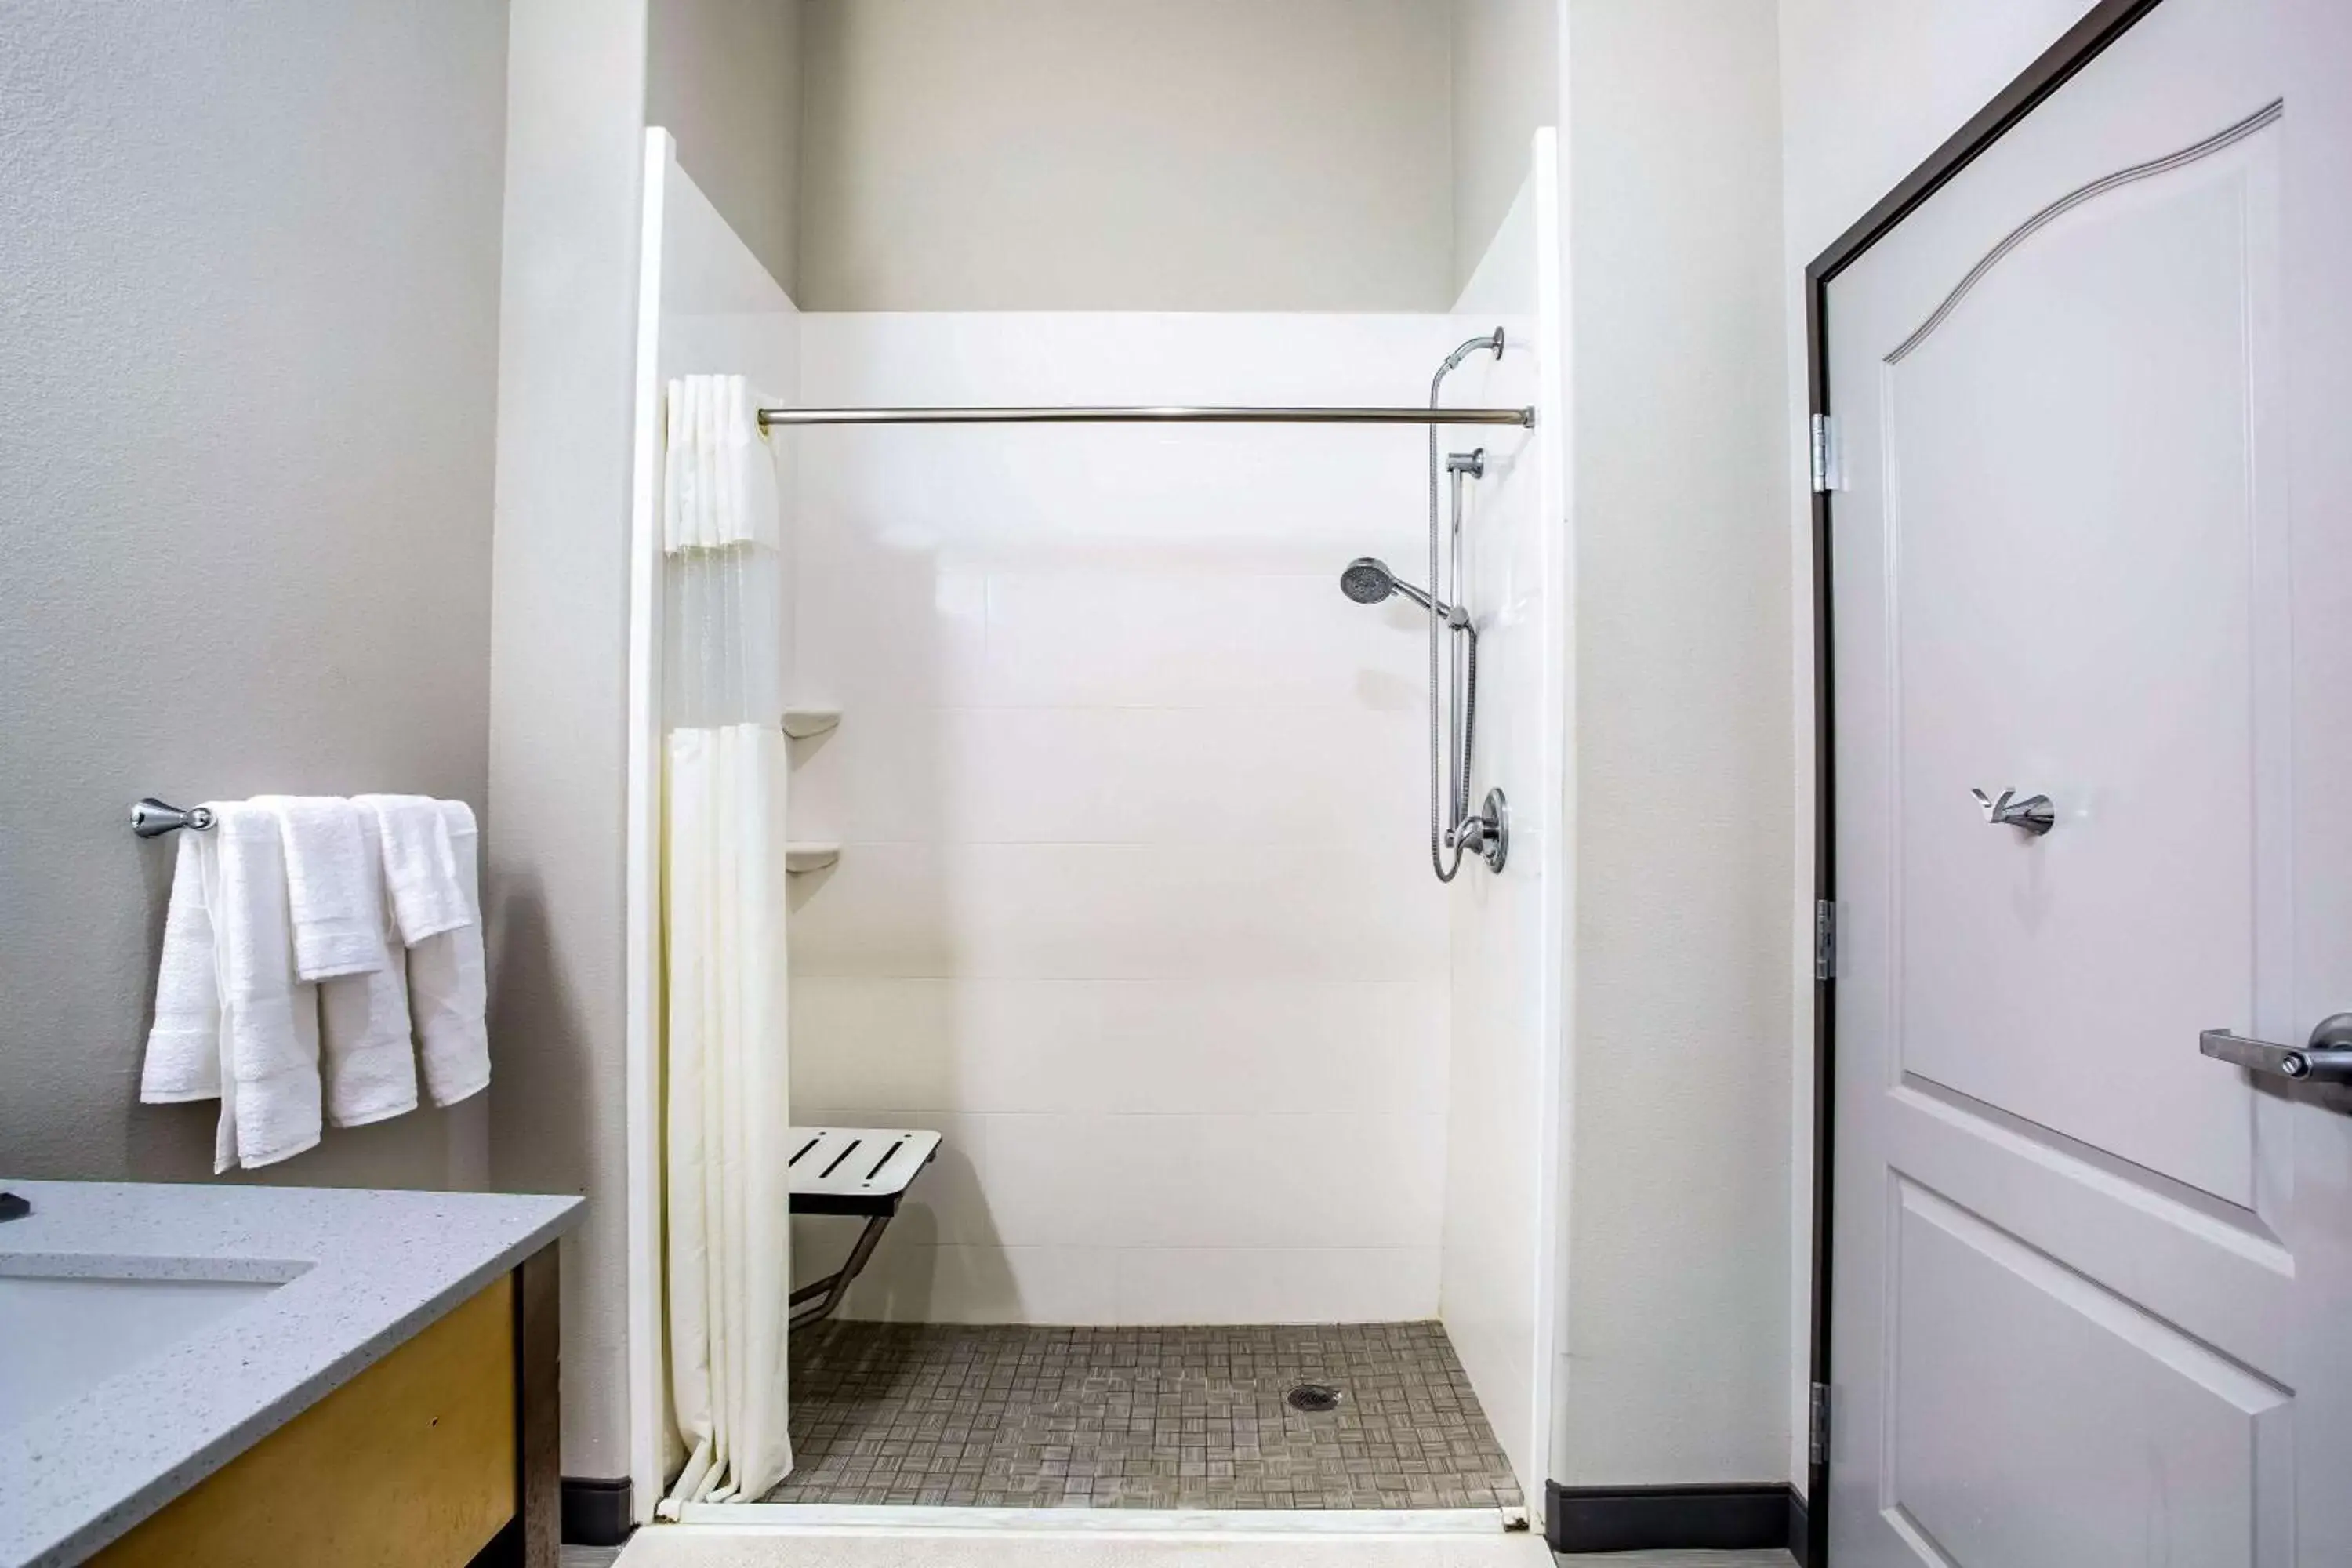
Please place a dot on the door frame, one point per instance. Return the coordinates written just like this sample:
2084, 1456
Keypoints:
2078, 46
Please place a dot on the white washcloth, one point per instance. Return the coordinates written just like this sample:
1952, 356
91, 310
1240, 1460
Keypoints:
268, 1020
334, 889
183, 1046
420, 870
370, 1065
447, 990
718, 474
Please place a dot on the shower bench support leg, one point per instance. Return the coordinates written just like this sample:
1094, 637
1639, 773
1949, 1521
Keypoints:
826, 1293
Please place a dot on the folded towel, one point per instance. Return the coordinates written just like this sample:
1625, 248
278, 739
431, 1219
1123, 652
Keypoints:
420, 870
183, 1046
370, 1065
334, 889
268, 1020
447, 990
718, 474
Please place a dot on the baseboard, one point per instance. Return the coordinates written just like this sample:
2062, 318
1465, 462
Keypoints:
1801, 1533
1658, 1519
596, 1512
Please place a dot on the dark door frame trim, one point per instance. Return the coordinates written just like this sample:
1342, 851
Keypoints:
2101, 25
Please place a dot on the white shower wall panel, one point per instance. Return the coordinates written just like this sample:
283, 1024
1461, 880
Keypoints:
1507, 1036
1133, 904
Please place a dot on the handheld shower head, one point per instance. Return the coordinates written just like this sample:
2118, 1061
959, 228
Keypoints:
1367, 580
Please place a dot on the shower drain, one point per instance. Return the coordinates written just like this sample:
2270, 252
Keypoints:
1313, 1398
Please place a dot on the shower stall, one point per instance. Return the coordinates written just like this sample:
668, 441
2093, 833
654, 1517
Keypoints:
1112, 830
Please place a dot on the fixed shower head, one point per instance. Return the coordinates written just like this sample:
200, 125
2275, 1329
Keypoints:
1491, 343
1367, 580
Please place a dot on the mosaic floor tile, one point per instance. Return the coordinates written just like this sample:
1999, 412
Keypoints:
1020, 1416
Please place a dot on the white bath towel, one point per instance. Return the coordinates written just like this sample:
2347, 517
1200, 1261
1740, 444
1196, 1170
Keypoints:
184, 1044
719, 482
369, 1064
447, 989
334, 889
269, 1020
420, 870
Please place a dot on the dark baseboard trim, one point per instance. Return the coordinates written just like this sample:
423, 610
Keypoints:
595, 1512
1658, 1519
1801, 1533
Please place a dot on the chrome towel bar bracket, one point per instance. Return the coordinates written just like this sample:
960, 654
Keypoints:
151, 818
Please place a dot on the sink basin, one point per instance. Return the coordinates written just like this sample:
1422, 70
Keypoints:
63, 1333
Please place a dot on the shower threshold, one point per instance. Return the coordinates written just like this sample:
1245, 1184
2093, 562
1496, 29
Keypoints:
910, 1423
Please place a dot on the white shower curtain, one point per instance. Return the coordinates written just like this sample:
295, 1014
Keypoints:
728, 1106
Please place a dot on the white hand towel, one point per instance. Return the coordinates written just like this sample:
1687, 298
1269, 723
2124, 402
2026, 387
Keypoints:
420, 870
269, 1021
447, 990
369, 1067
334, 889
183, 1046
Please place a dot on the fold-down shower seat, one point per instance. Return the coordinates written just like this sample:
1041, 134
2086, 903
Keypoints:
862, 1171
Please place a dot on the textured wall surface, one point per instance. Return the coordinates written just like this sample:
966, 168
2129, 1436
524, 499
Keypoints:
1678, 1218
249, 281
1125, 155
558, 639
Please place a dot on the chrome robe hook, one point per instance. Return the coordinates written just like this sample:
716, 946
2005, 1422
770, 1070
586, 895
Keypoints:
2032, 817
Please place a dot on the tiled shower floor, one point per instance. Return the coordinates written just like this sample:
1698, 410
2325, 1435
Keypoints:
1174, 1417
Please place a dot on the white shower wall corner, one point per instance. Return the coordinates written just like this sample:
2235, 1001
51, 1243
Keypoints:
1135, 905
1506, 1038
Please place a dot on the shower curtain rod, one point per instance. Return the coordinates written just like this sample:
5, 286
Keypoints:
1174, 415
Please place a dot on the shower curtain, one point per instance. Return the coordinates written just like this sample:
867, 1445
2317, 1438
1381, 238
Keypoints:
729, 1270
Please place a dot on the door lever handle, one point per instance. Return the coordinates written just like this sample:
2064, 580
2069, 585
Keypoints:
2326, 1059
2033, 816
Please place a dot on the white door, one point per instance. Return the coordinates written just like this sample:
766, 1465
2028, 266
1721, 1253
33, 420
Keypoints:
2092, 1289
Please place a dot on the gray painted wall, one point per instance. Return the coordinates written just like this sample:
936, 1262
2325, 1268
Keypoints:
971, 152
723, 76
1506, 56
1677, 1254
248, 272
558, 644
1126, 154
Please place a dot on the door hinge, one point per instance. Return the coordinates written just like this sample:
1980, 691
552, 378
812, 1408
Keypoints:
1817, 1444
1828, 472
1824, 940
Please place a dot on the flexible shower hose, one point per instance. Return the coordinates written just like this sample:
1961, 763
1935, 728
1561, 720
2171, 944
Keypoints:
1460, 803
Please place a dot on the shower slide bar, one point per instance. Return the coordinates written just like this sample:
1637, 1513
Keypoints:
771, 418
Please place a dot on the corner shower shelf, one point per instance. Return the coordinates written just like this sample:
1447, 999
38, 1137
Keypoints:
809, 856
807, 723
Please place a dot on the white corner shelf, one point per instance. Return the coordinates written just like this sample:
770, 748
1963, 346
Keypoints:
809, 856
807, 723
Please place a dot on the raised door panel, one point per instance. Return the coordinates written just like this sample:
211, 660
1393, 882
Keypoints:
2038, 1420
2073, 606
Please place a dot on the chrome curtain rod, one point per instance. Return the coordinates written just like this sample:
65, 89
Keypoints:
771, 418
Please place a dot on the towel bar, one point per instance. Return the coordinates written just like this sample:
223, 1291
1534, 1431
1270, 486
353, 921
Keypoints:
151, 818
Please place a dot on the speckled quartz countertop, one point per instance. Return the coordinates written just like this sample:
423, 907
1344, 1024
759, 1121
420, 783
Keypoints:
362, 1272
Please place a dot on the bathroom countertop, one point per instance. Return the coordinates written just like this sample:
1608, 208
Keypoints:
363, 1271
